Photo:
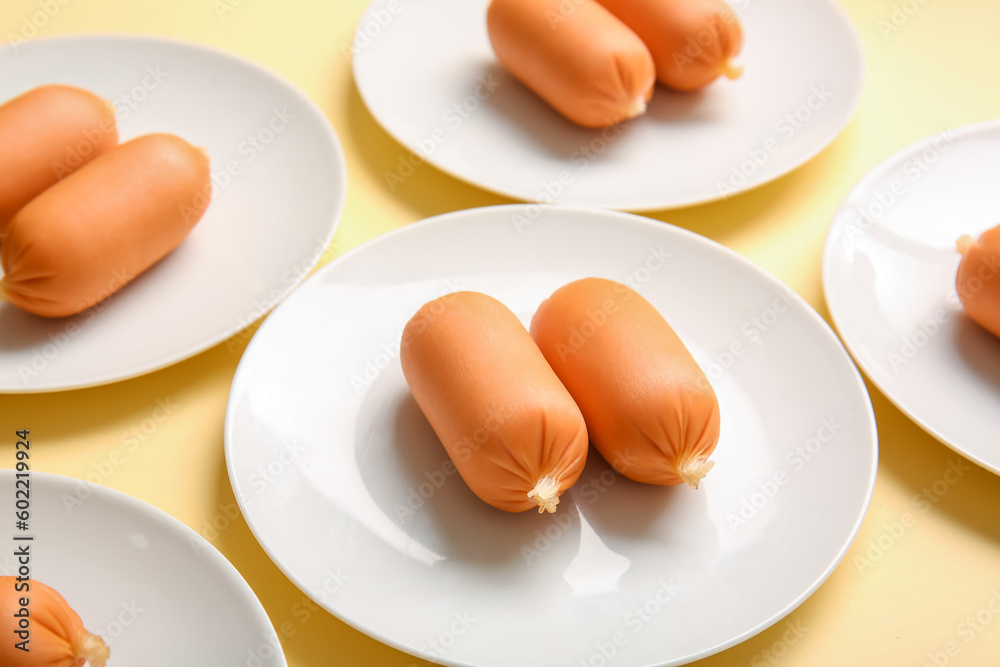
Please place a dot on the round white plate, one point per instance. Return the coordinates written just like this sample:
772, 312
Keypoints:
889, 268
342, 480
154, 590
279, 182
428, 74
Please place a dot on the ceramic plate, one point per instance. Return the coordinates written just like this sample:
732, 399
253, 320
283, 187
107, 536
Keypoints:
427, 72
279, 184
154, 590
889, 269
347, 488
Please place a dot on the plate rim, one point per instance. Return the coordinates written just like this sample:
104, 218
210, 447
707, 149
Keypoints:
176, 528
330, 137
874, 174
846, 23
823, 328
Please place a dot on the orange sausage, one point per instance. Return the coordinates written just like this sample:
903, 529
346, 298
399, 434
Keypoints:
574, 55
510, 427
649, 408
93, 232
54, 633
692, 41
48, 133
978, 278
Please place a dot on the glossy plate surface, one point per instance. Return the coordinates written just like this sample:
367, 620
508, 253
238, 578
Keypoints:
889, 268
347, 488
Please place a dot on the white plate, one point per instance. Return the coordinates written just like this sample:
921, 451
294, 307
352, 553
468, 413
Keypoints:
326, 448
414, 61
889, 268
266, 227
156, 591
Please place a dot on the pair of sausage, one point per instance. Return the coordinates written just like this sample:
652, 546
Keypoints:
515, 410
81, 215
595, 61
